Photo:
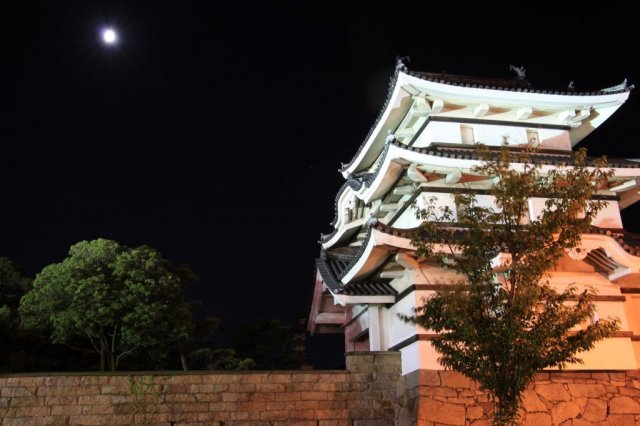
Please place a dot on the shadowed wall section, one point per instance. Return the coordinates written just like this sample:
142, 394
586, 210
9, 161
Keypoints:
371, 392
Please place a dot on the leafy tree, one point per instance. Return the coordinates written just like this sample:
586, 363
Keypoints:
13, 285
271, 343
500, 324
119, 300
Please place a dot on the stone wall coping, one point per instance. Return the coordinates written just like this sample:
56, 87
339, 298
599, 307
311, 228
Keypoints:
376, 353
170, 373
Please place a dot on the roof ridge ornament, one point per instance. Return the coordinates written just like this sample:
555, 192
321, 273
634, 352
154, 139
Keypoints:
400, 63
520, 71
618, 87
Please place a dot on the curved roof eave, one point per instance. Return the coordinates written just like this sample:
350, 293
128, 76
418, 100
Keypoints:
605, 103
514, 96
618, 244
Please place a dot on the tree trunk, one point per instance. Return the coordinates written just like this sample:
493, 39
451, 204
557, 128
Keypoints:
183, 361
102, 357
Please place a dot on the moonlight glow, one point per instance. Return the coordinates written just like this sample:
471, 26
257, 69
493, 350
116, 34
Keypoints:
109, 36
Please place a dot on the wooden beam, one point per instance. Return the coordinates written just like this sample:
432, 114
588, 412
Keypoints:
331, 318
403, 190
584, 113
436, 106
480, 110
420, 107
623, 186
567, 114
415, 174
406, 132
392, 273
523, 113
389, 207
452, 177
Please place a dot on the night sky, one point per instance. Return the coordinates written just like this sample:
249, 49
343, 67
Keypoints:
214, 133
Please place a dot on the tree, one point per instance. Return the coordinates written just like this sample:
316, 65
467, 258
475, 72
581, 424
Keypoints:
119, 300
271, 343
502, 323
13, 285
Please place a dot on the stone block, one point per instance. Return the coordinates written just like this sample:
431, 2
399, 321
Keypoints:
630, 392
274, 415
618, 376
623, 405
553, 392
564, 411
595, 390
17, 391
542, 377
214, 406
595, 410
331, 423
372, 422
94, 400
28, 402
33, 411
186, 379
454, 379
531, 402
96, 380
482, 422
66, 410
287, 396
600, 376
62, 381
430, 410
620, 420
234, 397
99, 409
437, 391
581, 422
537, 419
302, 415
19, 422
474, 412
315, 396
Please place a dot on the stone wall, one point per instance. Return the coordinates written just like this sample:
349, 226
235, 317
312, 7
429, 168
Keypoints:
370, 392
365, 394
566, 398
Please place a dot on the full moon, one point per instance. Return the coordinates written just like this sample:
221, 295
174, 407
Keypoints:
109, 36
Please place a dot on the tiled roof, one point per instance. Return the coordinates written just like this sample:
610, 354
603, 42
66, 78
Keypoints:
467, 152
546, 156
514, 85
369, 289
333, 264
629, 241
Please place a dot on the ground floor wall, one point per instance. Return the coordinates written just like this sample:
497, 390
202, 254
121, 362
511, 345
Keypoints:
370, 392
565, 398
364, 394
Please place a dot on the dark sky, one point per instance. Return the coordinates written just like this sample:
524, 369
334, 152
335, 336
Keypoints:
213, 133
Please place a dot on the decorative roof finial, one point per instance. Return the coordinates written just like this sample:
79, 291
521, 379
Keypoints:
390, 136
400, 66
618, 88
571, 85
521, 71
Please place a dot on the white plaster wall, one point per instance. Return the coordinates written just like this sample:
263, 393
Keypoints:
632, 308
611, 354
439, 131
492, 134
397, 329
426, 136
560, 280
608, 217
